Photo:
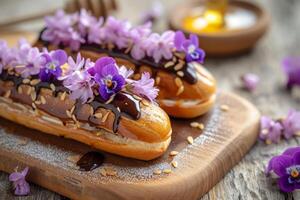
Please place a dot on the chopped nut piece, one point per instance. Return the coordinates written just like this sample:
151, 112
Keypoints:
69, 114
34, 82
157, 172
105, 117
29, 91
63, 96
25, 81
197, 125
98, 115
103, 172
33, 105
7, 94
72, 109
20, 90
190, 139
180, 90
43, 100
179, 55
178, 82
173, 153
52, 86
174, 164
23, 142
110, 171
168, 64
167, 171
179, 66
145, 102
37, 102
73, 158
157, 80
74, 118
33, 96
180, 73
224, 107
137, 97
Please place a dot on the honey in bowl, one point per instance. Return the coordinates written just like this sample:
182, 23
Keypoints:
218, 16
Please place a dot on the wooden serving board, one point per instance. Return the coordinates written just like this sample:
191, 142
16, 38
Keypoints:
227, 136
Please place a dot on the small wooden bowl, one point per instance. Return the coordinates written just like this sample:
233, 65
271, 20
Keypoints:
228, 42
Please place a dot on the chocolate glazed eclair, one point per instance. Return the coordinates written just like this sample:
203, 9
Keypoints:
126, 124
187, 89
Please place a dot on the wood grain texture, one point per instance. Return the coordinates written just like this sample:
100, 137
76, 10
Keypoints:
246, 181
227, 136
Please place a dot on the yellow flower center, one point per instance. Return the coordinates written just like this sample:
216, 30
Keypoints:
294, 173
109, 83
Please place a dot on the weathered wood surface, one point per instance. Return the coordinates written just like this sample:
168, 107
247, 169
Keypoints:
246, 180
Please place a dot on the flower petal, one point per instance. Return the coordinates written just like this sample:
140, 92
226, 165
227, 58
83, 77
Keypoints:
296, 158
291, 151
179, 39
280, 163
60, 56
120, 82
194, 39
284, 184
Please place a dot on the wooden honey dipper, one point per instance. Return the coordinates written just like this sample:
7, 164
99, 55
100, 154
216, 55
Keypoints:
96, 7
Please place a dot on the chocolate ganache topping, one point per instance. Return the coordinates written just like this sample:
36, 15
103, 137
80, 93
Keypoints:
123, 104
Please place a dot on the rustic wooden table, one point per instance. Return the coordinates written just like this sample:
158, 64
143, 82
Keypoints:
246, 180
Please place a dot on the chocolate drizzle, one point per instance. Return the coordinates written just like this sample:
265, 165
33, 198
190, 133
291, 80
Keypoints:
189, 72
123, 104
90, 161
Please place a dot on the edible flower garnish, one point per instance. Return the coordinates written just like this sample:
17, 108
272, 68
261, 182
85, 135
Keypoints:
84, 79
291, 124
107, 75
21, 186
145, 87
51, 65
291, 67
28, 59
250, 81
189, 46
287, 168
6, 55
75, 29
270, 130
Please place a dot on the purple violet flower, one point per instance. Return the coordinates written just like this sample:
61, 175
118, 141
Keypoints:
287, 168
291, 66
291, 124
145, 87
28, 59
21, 186
126, 73
160, 46
51, 66
270, 131
106, 74
189, 46
250, 81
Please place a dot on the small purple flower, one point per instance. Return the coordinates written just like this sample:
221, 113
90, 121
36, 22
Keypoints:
80, 84
139, 36
270, 131
28, 60
250, 81
6, 55
160, 46
189, 46
60, 30
291, 66
51, 66
145, 87
126, 73
291, 124
21, 186
107, 75
96, 33
117, 32
287, 168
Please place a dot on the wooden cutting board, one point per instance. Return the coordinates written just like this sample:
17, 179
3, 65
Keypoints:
227, 136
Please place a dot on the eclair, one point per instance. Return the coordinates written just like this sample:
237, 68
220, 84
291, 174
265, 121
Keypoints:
186, 88
95, 103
